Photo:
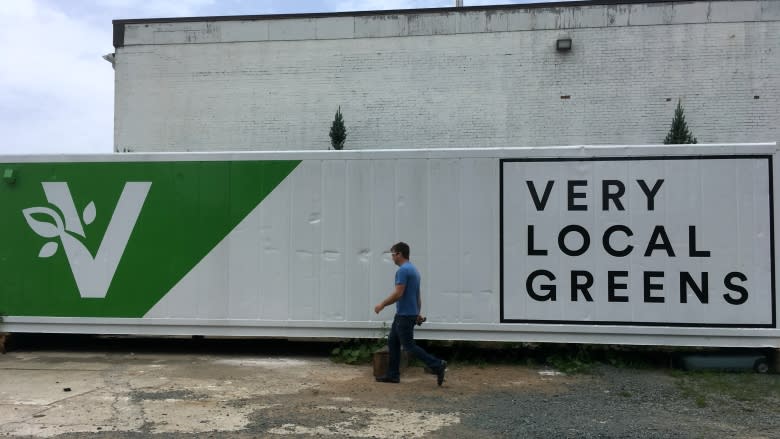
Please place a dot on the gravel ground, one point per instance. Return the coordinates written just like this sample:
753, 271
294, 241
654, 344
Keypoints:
620, 403
297, 392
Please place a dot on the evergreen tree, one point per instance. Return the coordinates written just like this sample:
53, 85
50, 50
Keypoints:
679, 133
338, 132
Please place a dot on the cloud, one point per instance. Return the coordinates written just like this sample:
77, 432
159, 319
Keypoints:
376, 5
104, 11
56, 93
371, 5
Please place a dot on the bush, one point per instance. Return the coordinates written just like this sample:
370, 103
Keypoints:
338, 132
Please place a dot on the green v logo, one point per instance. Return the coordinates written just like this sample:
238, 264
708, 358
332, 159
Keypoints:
93, 275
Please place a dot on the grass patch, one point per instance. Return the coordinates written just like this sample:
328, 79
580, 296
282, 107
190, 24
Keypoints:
706, 388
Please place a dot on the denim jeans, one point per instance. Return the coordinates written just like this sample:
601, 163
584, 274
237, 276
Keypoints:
402, 334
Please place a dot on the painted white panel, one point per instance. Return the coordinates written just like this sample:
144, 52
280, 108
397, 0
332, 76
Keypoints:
377, 26
726, 199
291, 29
335, 27
411, 211
333, 298
470, 22
442, 277
306, 245
497, 21
425, 24
479, 262
592, 16
244, 253
239, 31
384, 208
214, 285
275, 233
360, 252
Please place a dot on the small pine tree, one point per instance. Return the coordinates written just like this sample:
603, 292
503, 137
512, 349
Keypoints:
338, 132
679, 133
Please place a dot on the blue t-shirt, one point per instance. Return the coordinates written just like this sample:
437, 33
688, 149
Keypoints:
408, 275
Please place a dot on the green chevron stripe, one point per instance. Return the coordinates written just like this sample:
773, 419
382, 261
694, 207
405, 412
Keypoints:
190, 207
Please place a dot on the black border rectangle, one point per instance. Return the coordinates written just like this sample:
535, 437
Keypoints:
768, 157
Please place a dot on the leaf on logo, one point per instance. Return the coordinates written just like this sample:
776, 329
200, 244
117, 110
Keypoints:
44, 229
89, 213
48, 249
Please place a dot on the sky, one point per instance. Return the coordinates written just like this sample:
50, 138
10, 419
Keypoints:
56, 90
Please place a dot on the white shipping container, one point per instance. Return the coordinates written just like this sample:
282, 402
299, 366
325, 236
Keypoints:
661, 245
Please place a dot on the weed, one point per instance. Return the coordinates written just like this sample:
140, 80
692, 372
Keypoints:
356, 351
626, 360
359, 351
570, 364
572, 359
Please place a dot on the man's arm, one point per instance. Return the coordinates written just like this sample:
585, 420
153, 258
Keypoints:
420, 318
391, 299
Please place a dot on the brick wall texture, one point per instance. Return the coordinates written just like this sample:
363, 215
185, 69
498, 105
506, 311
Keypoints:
454, 79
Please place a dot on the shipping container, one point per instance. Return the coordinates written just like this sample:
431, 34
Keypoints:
656, 245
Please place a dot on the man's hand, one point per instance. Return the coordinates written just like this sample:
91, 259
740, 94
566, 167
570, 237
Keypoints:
379, 308
420, 320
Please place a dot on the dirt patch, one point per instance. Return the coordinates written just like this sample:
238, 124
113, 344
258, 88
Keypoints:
461, 381
128, 395
416, 407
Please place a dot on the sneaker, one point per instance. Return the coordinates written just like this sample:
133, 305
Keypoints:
440, 372
387, 379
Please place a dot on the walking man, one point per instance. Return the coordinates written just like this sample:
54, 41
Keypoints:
406, 297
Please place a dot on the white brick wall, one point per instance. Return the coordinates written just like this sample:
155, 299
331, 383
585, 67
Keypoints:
477, 78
